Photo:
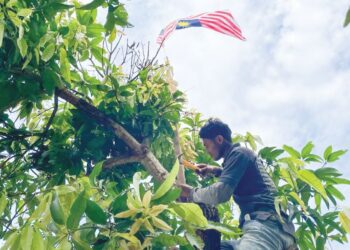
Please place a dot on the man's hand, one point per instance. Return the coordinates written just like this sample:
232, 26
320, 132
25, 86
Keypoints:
207, 170
186, 189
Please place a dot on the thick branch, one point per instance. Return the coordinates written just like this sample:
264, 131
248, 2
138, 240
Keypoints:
116, 161
149, 161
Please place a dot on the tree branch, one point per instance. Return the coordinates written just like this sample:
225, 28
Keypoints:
121, 160
150, 162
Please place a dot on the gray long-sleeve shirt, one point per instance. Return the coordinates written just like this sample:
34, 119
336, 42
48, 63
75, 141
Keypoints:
243, 177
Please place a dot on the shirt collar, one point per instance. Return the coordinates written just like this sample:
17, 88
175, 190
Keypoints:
229, 150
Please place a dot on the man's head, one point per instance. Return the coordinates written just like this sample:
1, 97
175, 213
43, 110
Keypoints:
216, 136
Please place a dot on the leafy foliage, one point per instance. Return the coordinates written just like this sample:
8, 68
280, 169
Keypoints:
56, 191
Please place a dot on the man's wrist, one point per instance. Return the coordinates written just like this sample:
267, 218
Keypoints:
217, 171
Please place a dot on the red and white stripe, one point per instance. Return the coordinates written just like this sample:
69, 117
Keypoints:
166, 31
223, 22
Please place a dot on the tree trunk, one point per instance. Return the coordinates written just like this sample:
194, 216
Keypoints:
210, 237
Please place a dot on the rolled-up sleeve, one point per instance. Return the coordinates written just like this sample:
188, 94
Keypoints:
216, 193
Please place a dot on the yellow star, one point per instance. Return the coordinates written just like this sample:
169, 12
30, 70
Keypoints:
183, 23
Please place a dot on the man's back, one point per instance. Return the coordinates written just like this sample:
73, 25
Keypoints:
254, 189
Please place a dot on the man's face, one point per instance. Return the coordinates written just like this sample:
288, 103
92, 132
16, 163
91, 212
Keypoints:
213, 147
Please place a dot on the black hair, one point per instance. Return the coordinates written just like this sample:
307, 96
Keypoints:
214, 127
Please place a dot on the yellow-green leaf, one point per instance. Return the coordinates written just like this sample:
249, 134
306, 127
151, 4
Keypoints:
24, 12
2, 28
194, 240
298, 199
129, 237
344, 217
64, 63
147, 198
136, 226
38, 241
23, 47
14, 18
26, 237
48, 52
160, 224
311, 179
157, 209
168, 183
126, 214
3, 203
148, 226
190, 212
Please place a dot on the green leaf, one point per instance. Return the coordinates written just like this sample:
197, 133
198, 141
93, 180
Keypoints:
168, 183
94, 30
334, 191
50, 80
347, 19
3, 203
38, 241
56, 210
121, 16
26, 237
307, 149
327, 152
225, 229
110, 22
311, 179
76, 211
335, 155
64, 63
170, 196
11, 241
48, 52
322, 172
166, 240
291, 151
190, 212
2, 28
251, 140
92, 5
22, 45
95, 212
78, 243
95, 171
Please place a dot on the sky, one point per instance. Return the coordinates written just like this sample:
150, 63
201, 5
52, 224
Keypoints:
287, 83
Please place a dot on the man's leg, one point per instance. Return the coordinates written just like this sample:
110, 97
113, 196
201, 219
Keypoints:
266, 235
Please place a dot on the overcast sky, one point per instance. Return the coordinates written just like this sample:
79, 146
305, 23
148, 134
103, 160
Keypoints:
288, 83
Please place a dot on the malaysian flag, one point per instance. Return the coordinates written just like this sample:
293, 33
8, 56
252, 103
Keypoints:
221, 21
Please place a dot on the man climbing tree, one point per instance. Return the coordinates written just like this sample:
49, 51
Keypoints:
243, 176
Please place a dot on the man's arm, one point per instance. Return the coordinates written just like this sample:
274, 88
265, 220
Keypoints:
216, 193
